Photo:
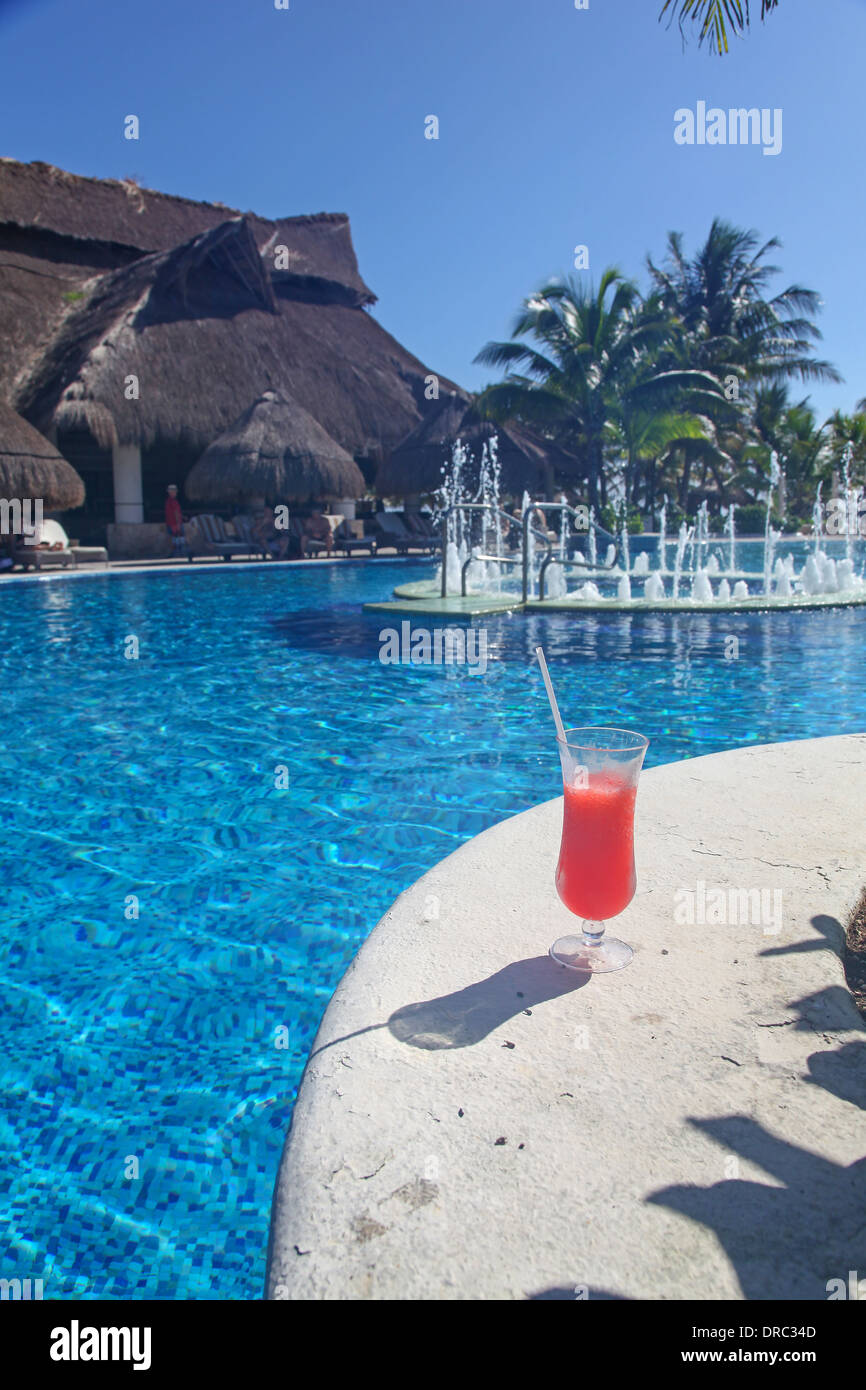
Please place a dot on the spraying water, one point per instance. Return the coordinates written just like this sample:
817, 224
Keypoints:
530, 545
703, 534
663, 537
817, 519
732, 538
847, 455
449, 494
685, 535
691, 544
770, 536
702, 589
694, 560
555, 582
491, 531
626, 557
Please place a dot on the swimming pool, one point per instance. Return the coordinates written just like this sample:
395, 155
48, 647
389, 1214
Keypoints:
146, 1090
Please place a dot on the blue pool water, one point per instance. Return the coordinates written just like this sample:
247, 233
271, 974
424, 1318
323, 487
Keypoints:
145, 1098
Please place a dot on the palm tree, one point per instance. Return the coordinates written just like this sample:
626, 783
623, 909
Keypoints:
645, 439
733, 327
597, 356
849, 429
714, 17
730, 327
792, 431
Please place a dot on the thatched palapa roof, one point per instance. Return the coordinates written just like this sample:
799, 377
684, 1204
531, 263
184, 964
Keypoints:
415, 465
205, 329
30, 466
102, 281
276, 450
119, 213
58, 231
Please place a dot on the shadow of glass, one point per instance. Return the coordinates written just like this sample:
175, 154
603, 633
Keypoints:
465, 1017
468, 1015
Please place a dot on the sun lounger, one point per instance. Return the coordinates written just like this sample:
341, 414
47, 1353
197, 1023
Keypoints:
207, 535
302, 540
394, 533
243, 528
351, 544
31, 557
64, 553
421, 525
84, 554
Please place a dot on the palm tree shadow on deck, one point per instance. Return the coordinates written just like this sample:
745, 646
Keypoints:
783, 1242
465, 1017
831, 937
841, 1072
788, 1241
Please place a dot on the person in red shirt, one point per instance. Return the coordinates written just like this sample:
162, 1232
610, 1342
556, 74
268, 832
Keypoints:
174, 517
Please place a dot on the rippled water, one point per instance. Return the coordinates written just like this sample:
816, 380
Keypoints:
172, 917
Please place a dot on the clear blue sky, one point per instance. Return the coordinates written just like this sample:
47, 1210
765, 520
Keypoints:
556, 128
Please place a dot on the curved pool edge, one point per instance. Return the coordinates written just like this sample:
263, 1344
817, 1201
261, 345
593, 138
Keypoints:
511, 1137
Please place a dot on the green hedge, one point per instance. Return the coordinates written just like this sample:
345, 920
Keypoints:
611, 520
751, 520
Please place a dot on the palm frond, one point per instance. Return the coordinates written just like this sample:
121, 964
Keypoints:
715, 17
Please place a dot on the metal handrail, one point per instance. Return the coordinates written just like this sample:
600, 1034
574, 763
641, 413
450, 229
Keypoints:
497, 511
572, 511
473, 556
553, 559
526, 528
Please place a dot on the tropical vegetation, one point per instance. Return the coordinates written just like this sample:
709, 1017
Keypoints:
685, 389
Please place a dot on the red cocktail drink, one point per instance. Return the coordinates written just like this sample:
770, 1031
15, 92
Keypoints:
595, 877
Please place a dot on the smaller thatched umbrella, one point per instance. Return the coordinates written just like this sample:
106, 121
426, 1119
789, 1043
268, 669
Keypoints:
30, 466
415, 466
276, 450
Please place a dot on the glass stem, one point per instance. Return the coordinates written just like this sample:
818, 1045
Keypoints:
592, 933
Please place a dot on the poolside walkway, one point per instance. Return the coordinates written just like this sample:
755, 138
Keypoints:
201, 562
475, 1122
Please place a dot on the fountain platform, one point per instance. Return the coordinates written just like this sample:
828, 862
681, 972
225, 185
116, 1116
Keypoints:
473, 606
423, 597
756, 602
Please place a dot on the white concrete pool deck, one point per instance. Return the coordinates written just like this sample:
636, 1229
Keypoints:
476, 1122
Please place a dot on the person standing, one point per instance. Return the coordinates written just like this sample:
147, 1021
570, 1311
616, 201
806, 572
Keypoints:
174, 518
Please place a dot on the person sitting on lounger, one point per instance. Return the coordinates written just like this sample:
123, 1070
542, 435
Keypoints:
317, 528
273, 540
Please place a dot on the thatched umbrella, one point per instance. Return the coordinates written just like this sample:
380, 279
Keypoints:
415, 465
30, 466
275, 450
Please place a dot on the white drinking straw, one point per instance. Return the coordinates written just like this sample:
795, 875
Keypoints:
557, 717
